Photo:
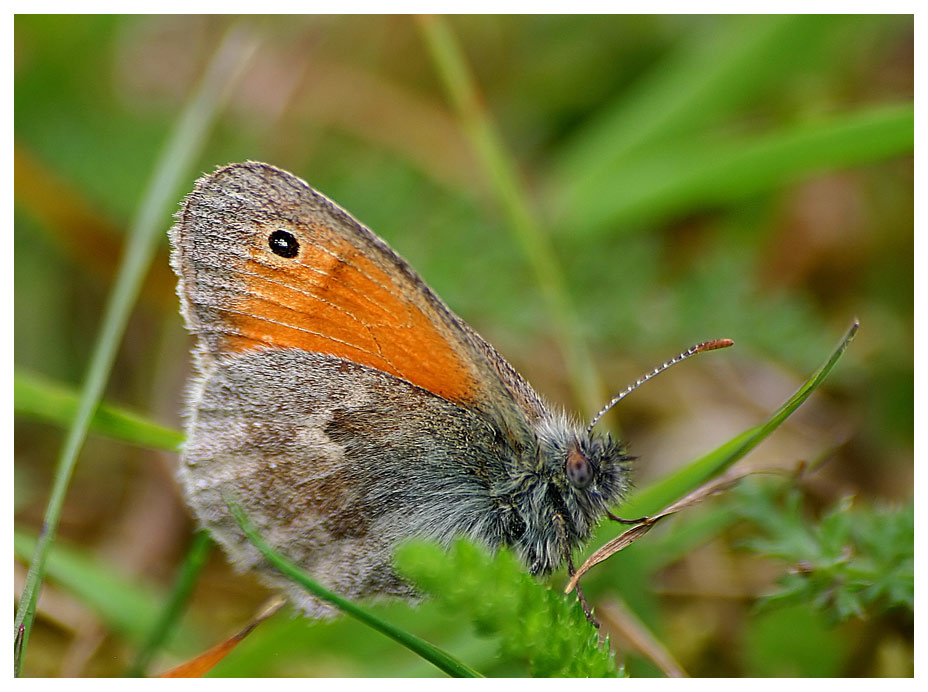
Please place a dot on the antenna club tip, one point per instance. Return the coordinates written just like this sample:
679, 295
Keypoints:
693, 350
714, 344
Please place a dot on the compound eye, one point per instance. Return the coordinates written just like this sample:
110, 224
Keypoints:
579, 469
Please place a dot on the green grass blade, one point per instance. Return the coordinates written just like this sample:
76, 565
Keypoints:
702, 173
37, 397
707, 77
687, 479
122, 603
184, 143
186, 579
441, 660
512, 197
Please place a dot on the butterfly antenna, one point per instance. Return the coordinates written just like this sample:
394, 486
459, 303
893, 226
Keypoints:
698, 348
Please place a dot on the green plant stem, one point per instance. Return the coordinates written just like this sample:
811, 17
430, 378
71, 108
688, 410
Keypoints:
441, 660
453, 71
177, 157
183, 586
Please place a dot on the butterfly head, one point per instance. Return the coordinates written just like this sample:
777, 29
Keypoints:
576, 477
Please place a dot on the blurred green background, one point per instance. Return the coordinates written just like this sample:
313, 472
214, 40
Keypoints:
696, 177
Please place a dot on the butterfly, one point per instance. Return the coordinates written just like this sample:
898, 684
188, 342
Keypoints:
346, 408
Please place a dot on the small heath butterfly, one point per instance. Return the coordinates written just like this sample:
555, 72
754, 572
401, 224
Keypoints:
346, 408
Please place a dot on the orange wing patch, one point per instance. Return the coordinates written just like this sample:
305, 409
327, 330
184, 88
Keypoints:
333, 299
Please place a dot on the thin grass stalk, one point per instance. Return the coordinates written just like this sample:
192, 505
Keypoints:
40, 398
440, 659
683, 481
183, 145
511, 195
175, 604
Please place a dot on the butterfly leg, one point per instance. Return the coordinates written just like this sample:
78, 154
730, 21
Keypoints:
587, 611
640, 520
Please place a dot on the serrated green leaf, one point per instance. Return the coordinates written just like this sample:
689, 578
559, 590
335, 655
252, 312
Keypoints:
440, 659
855, 561
534, 624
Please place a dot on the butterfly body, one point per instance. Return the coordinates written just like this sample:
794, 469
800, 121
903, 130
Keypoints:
346, 408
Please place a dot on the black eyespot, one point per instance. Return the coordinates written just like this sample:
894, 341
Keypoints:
283, 243
579, 469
